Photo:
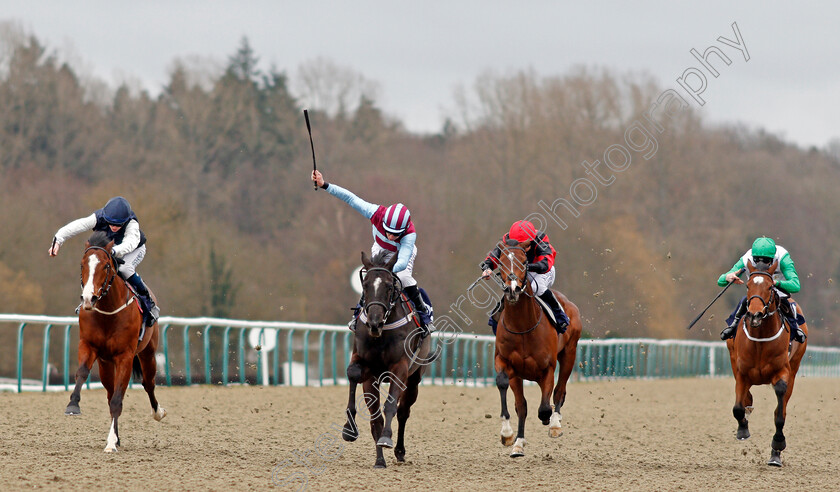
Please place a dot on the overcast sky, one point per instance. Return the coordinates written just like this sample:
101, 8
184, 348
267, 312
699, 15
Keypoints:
418, 52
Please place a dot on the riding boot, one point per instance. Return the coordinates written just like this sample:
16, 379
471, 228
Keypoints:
733, 320
423, 312
495, 315
357, 310
151, 312
559, 315
796, 333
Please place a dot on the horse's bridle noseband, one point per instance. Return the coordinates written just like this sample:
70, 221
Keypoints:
393, 297
774, 296
511, 276
106, 285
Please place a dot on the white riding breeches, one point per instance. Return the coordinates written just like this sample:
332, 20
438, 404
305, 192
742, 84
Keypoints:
131, 261
407, 275
541, 282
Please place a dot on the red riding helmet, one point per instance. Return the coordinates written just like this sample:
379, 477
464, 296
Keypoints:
522, 230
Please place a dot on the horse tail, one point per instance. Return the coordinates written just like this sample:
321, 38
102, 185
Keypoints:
138, 371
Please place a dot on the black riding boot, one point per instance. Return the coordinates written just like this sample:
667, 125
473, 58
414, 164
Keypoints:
734, 319
151, 312
423, 312
495, 315
796, 332
559, 315
356, 311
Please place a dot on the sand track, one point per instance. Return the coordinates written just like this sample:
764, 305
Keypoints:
628, 435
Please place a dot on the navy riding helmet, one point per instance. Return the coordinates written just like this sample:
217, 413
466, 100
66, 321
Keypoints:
117, 211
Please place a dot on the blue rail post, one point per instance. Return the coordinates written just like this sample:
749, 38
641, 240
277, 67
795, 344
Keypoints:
20, 356
333, 338
165, 344
290, 348
206, 335
276, 357
225, 355
306, 357
67, 357
46, 359
187, 375
241, 350
260, 341
321, 358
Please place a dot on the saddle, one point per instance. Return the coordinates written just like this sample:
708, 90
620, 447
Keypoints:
428, 318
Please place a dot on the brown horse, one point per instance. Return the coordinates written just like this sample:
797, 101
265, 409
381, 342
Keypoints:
760, 355
528, 347
109, 327
388, 347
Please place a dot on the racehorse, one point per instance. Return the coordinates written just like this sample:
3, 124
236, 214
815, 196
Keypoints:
760, 355
388, 347
528, 347
109, 329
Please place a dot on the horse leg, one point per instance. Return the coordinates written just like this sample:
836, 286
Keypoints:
396, 378
742, 389
122, 365
354, 376
503, 383
371, 396
148, 366
546, 383
778, 443
409, 396
87, 356
566, 361
521, 412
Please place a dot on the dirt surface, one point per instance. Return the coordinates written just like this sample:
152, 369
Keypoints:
621, 435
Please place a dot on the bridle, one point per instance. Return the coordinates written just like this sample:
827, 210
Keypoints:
393, 296
110, 274
774, 298
519, 290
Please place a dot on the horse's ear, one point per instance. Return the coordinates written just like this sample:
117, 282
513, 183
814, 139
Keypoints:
773, 267
392, 262
87, 244
109, 246
365, 260
751, 267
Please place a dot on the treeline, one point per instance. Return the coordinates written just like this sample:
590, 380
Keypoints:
217, 170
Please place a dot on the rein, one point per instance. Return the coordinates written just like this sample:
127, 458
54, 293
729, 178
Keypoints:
393, 299
523, 290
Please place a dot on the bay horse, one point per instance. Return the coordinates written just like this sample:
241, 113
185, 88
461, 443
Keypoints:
387, 347
109, 329
762, 355
528, 347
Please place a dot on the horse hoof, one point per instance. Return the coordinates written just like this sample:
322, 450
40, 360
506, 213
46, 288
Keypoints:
775, 459
111, 449
555, 432
743, 434
349, 433
385, 442
517, 454
518, 448
73, 411
380, 463
159, 414
508, 440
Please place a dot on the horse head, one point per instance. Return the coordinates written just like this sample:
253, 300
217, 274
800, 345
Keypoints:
762, 298
381, 290
98, 269
513, 267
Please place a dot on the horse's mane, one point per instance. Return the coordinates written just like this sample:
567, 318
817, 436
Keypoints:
99, 238
380, 259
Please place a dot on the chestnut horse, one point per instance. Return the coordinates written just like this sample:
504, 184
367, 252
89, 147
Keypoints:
387, 347
109, 329
528, 347
760, 355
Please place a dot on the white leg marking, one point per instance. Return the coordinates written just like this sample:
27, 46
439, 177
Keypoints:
507, 432
87, 290
554, 428
112, 440
160, 414
518, 448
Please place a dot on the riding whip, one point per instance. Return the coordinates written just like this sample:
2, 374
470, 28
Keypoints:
311, 144
739, 272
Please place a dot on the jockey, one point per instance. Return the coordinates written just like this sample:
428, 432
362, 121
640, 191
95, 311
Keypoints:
786, 282
120, 224
540, 256
393, 231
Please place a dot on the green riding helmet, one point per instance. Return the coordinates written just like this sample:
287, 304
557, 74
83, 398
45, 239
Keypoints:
765, 247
